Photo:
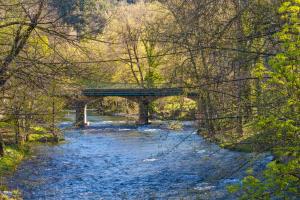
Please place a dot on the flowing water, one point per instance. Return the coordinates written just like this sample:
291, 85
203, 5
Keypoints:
114, 159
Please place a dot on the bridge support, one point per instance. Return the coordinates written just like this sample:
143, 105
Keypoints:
143, 111
81, 115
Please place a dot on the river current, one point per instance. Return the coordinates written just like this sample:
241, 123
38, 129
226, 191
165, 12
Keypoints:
114, 159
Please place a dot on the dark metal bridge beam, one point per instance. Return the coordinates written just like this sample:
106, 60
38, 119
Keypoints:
162, 92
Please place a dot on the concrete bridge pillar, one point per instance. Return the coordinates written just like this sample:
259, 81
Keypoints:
143, 111
81, 115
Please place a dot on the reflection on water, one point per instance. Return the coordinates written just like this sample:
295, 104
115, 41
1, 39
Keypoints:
114, 159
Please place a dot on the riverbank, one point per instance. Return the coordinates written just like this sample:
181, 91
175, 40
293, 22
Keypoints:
251, 140
13, 156
8, 164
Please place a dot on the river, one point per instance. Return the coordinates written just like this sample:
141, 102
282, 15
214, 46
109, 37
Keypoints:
114, 159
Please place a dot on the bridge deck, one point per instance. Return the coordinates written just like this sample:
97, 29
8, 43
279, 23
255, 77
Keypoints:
157, 92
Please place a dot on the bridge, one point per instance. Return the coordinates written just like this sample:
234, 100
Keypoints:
142, 96
135, 92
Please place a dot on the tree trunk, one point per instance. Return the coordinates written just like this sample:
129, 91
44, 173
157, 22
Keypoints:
27, 127
55, 136
242, 70
205, 109
1, 145
18, 137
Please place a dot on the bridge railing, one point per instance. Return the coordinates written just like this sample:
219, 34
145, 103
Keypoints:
104, 85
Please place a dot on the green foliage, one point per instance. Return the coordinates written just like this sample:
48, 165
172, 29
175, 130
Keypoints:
281, 181
13, 156
4, 125
39, 129
40, 137
174, 107
281, 120
282, 89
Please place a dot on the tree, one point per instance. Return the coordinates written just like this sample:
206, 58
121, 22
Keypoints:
219, 43
280, 119
86, 16
35, 57
133, 32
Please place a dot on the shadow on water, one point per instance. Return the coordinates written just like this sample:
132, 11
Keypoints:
115, 159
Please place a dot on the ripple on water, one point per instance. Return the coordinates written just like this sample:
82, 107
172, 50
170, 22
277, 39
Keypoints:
147, 129
150, 160
202, 151
204, 186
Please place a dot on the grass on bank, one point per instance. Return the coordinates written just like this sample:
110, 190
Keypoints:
10, 195
13, 156
230, 140
43, 138
251, 140
8, 164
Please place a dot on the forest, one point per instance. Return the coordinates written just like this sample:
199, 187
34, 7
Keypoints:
241, 58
